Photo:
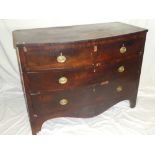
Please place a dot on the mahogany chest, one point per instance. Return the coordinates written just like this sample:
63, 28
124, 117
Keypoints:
78, 71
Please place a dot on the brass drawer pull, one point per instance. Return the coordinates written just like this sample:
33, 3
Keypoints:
121, 69
61, 58
63, 102
119, 89
123, 49
63, 80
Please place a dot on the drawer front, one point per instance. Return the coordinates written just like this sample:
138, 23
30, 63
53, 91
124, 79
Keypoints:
119, 50
80, 54
62, 102
47, 58
85, 101
60, 80
119, 88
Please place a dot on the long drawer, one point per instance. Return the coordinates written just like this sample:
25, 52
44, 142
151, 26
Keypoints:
84, 101
55, 80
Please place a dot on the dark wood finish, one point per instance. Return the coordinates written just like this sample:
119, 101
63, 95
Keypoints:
84, 95
43, 58
48, 80
92, 60
70, 34
40, 58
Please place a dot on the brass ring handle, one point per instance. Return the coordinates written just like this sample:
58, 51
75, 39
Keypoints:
63, 80
123, 49
121, 69
61, 58
63, 102
119, 88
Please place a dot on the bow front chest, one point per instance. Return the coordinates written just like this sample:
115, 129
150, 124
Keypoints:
78, 71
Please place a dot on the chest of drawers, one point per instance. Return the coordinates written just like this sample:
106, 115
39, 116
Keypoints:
78, 71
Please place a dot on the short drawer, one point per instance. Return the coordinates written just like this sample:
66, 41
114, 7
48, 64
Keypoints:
68, 79
119, 50
43, 58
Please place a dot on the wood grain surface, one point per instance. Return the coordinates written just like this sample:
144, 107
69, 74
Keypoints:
92, 68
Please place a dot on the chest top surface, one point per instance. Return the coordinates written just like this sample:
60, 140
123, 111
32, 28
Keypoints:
73, 33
